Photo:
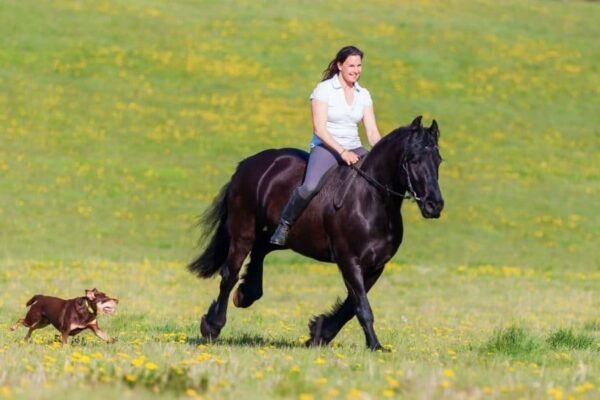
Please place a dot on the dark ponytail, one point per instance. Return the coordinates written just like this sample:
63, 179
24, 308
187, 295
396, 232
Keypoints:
340, 57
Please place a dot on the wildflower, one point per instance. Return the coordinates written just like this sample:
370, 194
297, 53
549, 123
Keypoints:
150, 366
449, 373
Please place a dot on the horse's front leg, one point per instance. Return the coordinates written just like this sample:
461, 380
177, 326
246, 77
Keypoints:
353, 277
325, 327
214, 320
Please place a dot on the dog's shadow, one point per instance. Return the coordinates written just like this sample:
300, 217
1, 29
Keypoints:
247, 340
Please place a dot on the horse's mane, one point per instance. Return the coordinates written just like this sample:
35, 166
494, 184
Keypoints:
389, 140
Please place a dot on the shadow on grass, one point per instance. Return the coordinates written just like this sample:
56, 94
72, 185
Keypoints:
246, 340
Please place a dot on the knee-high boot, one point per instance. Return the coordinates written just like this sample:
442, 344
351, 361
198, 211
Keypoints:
292, 210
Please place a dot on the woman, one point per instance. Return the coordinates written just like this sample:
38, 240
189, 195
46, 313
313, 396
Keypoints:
338, 104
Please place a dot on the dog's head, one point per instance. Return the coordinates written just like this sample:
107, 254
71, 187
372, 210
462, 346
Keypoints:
103, 303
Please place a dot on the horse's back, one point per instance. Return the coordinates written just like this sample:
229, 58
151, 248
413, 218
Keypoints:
264, 181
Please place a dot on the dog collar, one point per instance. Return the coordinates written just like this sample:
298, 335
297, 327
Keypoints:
90, 309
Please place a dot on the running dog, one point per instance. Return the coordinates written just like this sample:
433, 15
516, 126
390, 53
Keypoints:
68, 316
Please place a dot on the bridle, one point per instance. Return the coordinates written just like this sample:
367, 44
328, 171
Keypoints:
412, 194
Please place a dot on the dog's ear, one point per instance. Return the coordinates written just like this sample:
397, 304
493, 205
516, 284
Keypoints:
91, 294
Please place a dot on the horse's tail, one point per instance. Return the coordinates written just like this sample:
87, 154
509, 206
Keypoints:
214, 222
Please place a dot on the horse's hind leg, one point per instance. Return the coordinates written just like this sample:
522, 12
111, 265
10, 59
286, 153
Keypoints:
250, 288
325, 327
214, 320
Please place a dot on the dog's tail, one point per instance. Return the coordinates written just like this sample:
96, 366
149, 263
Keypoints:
33, 300
214, 221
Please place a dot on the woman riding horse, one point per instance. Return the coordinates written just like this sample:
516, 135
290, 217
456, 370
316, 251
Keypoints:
338, 104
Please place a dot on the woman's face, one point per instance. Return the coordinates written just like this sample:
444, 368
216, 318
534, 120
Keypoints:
350, 69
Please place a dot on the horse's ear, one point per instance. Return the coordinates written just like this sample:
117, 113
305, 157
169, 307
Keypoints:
416, 124
434, 129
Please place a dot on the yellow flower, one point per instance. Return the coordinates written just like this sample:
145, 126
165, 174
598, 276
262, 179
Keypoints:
130, 377
151, 366
138, 361
449, 373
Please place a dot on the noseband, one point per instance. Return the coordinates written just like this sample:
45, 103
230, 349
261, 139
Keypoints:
385, 188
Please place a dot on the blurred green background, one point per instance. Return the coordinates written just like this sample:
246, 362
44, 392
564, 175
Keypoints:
120, 120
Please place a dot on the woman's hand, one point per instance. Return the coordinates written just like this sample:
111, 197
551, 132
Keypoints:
349, 157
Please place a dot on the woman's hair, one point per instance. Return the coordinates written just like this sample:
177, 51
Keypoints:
340, 57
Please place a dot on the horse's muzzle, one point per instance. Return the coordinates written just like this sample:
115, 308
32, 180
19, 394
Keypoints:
431, 208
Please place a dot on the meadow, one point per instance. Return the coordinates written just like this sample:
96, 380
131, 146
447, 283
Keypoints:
120, 121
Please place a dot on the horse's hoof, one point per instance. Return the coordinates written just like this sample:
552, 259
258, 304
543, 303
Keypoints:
380, 348
316, 342
242, 299
207, 330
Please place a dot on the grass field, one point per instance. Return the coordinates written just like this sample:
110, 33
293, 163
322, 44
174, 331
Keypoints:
120, 121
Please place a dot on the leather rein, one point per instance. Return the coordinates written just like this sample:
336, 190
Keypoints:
412, 194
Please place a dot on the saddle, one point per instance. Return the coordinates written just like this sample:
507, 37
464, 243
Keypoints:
344, 188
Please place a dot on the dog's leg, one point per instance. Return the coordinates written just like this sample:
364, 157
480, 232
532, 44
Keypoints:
36, 325
101, 334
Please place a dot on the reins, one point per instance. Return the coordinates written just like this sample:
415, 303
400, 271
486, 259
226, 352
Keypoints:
385, 188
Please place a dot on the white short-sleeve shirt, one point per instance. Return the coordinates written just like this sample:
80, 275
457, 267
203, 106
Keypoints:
342, 118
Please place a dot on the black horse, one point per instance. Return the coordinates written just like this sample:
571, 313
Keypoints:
354, 221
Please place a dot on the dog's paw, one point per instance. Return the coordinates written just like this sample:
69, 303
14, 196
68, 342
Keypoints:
112, 340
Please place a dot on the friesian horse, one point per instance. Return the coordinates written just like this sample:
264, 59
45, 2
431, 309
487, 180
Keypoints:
354, 221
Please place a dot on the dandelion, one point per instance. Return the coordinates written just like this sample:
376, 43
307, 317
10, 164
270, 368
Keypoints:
150, 366
354, 394
321, 381
392, 382
449, 373
555, 393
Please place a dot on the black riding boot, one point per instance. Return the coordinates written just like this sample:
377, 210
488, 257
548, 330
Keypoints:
292, 210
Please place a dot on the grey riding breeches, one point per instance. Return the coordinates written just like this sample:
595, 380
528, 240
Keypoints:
321, 161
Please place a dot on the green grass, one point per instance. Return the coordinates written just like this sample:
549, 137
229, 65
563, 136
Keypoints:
513, 341
566, 338
120, 121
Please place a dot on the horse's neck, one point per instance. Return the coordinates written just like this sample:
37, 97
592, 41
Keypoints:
383, 162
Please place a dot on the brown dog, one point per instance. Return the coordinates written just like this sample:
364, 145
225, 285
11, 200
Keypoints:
68, 316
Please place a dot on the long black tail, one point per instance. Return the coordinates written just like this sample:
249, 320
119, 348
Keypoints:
214, 222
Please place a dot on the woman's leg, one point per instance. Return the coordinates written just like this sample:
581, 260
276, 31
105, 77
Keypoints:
321, 160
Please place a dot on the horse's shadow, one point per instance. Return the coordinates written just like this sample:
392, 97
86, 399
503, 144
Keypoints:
247, 340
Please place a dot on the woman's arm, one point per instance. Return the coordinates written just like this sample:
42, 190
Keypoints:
370, 123
319, 118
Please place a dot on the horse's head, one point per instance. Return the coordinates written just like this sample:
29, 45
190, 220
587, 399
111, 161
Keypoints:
421, 163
